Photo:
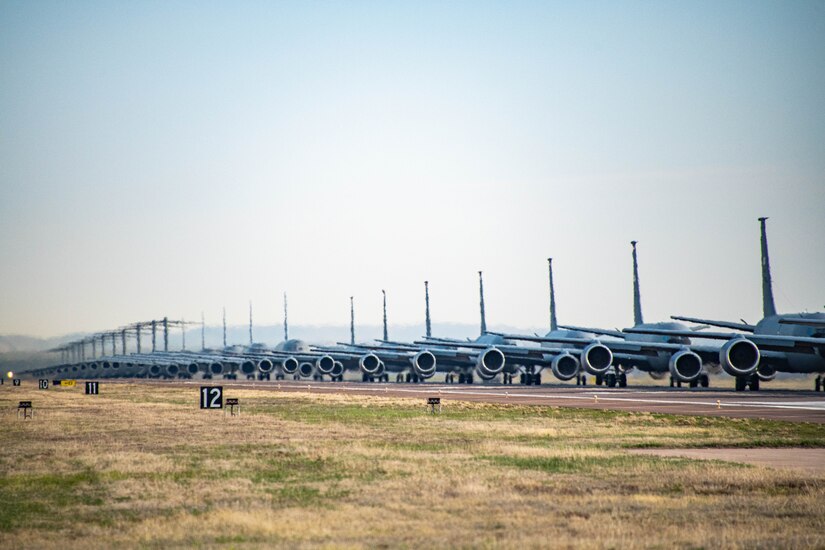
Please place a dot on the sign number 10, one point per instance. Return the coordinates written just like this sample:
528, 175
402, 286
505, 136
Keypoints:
211, 397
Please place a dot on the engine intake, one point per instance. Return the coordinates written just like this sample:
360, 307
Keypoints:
249, 367
765, 372
369, 363
265, 366
490, 362
739, 357
337, 369
325, 364
685, 366
305, 370
290, 365
596, 358
424, 364
565, 366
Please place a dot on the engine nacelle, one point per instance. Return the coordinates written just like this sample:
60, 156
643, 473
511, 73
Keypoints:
306, 370
490, 362
685, 366
290, 365
154, 371
216, 368
596, 358
765, 372
325, 364
192, 369
565, 366
656, 375
248, 367
172, 370
424, 364
370, 363
337, 369
739, 357
382, 368
265, 366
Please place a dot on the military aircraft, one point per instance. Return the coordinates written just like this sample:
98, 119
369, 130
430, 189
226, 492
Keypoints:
789, 342
655, 354
497, 354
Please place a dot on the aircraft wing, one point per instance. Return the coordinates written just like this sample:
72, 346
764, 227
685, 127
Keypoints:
722, 324
763, 341
602, 331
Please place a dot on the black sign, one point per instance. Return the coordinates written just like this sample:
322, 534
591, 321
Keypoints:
44, 384
16, 382
211, 397
231, 401
25, 405
433, 401
56, 382
92, 388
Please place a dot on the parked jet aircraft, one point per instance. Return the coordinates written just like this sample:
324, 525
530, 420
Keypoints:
655, 354
790, 342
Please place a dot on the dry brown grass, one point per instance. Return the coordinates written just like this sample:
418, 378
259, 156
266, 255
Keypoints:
142, 466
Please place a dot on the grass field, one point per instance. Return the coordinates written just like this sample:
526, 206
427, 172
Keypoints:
143, 466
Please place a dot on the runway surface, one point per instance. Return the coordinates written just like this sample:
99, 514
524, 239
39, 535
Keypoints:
787, 405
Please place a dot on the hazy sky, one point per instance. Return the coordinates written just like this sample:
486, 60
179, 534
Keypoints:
168, 158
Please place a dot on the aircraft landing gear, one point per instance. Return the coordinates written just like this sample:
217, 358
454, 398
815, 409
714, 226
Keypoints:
581, 380
745, 382
622, 380
599, 379
818, 384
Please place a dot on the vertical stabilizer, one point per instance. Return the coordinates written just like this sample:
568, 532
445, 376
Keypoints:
427, 325
351, 321
250, 322
154, 336
203, 332
553, 325
137, 334
123, 341
637, 295
481, 304
768, 307
286, 325
224, 327
384, 292
165, 334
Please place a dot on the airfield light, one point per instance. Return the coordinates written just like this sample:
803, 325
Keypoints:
10, 374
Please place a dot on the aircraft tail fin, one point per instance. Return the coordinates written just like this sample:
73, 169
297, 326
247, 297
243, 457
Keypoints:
481, 304
427, 309
384, 292
351, 321
286, 326
637, 295
768, 307
553, 324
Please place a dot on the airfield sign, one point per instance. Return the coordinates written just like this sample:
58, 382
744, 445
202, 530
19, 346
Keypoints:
211, 397
16, 382
92, 388
43, 384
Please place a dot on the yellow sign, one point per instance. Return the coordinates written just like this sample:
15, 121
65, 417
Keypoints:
67, 383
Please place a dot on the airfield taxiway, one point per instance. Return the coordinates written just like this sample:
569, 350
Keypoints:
787, 405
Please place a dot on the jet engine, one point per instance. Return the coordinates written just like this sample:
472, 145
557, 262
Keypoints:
193, 368
216, 368
337, 369
766, 372
249, 367
656, 375
423, 364
369, 363
565, 366
265, 366
685, 366
306, 370
325, 364
172, 370
596, 358
290, 365
739, 357
154, 371
490, 362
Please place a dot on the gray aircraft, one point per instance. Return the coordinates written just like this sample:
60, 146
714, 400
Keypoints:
788, 342
526, 362
657, 354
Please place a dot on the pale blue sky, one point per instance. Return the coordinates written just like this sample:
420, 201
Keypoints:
164, 158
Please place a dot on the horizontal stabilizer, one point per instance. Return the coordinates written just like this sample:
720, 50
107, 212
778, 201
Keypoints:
745, 327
